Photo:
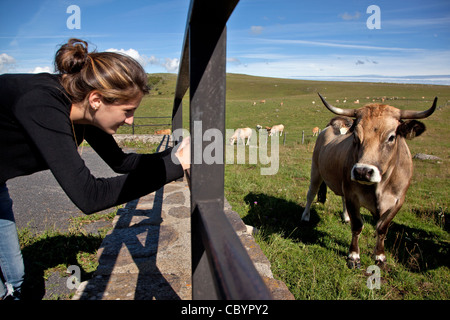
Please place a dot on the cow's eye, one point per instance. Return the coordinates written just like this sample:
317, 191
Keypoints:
391, 138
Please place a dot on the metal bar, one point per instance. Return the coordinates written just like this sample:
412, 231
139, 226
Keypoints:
177, 118
183, 71
134, 125
233, 273
152, 125
152, 117
221, 268
216, 12
207, 106
207, 111
204, 285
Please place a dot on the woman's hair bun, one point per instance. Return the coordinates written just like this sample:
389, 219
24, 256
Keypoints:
72, 56
118, 78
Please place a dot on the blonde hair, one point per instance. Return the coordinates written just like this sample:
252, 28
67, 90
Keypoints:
118, 78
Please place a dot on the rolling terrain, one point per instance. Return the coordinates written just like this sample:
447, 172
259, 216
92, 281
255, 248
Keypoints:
310, 258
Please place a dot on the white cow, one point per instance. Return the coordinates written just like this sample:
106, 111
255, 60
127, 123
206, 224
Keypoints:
241, 133
276, 129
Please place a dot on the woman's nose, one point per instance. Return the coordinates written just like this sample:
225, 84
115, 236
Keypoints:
129, 120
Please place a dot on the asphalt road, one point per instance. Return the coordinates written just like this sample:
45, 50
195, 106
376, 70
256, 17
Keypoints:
39, 201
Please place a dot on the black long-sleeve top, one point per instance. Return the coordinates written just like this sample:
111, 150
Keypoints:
36, 133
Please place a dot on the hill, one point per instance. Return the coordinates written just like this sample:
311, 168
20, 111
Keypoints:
292, 102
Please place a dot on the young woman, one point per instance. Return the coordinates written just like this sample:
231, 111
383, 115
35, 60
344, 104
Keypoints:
43, 119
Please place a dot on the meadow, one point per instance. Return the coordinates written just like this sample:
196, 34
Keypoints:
310, 258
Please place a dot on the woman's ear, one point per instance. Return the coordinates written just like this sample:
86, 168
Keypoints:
95, 100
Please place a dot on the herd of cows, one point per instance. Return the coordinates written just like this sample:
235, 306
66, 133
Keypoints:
363, 157
246, 133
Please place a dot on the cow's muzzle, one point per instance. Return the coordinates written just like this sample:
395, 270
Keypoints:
365, 173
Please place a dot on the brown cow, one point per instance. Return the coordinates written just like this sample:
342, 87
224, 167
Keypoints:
275, 130
164, 131
315, 131
241, 134
370, 166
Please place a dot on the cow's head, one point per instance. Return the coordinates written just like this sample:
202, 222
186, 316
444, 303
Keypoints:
377, 131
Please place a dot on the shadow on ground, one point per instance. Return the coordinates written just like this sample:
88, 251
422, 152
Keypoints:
417, 249
54, 251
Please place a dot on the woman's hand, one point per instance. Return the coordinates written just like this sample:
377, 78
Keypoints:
184, 153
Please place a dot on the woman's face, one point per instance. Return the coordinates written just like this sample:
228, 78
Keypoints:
109, 117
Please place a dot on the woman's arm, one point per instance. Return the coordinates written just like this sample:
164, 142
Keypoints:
107, 148
48, 126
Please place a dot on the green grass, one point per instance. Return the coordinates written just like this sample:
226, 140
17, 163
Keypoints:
158, 103
310, 259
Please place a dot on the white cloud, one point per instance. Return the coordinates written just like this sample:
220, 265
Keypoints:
171, 65
336, 45
294, 66
6, 62
41, 69
418, 22
256, 30
233, 60
347, 17
143, 60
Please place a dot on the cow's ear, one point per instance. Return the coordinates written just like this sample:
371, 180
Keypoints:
410, 129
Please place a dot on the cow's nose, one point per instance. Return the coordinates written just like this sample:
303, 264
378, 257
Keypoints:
364, 173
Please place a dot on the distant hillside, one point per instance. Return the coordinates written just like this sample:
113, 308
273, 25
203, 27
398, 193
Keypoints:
162, 83
291, 102
245, 87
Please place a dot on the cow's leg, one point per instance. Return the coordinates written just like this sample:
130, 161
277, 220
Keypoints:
344, 212
248, 140
353, 260
314, 185
381, 229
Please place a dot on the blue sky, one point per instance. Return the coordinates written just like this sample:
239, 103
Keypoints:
297, 39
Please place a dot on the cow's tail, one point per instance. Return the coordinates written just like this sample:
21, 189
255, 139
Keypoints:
322, 194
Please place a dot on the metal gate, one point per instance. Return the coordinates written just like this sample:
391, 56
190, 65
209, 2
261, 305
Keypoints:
221, 267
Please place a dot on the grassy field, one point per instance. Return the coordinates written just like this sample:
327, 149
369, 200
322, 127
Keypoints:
310, 259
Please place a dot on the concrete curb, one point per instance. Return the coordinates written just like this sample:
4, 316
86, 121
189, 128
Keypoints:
147, 254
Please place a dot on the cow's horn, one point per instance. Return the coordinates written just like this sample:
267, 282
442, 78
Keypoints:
410, 114
339, 111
